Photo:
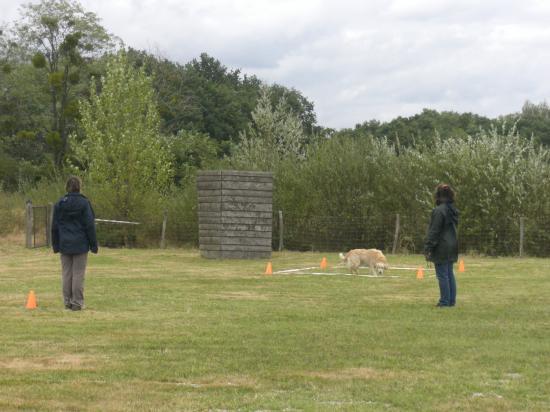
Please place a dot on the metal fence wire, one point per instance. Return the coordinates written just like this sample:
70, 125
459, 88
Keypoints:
332, 234
506, 237
148, 233
327, 233
40, 232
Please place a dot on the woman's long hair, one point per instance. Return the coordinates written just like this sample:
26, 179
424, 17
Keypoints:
73, 185
444, 194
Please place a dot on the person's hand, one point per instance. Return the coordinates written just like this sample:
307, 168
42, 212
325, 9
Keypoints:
94, 250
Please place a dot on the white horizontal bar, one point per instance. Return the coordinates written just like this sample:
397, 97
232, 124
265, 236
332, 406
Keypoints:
295, 270
116, 221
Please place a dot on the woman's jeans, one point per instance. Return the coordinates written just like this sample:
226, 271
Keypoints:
447, 283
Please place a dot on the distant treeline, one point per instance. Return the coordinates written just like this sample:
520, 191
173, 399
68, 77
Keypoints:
51, 55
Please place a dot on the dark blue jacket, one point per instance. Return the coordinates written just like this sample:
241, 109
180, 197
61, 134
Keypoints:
441, 244
73, 225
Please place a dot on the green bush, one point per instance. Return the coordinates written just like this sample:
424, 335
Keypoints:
347, 190
12, 213
361, 183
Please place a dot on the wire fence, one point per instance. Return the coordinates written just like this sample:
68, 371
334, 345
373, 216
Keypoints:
390, 232
148, 233
40, 215
406, 234
38, 225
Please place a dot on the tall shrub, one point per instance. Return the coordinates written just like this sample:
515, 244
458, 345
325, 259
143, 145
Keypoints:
122, 151
353, 186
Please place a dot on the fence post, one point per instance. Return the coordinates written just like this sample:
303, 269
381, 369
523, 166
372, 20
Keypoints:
281, 231
163, 233
28, 224
49, 220
521, 235
395, 235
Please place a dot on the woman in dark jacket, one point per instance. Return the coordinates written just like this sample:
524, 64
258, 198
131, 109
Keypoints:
73, 234
441, 245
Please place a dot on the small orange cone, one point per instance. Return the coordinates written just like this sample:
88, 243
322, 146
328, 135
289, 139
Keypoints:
420, 273
324, 263
269, 269
31, 300
461, 266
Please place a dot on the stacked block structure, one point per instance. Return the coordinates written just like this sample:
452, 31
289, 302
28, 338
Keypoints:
235, 214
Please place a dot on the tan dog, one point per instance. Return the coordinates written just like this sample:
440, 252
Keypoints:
374, 258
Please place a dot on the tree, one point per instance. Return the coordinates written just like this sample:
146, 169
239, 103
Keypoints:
179, 108
204, 96
423, 128
225, 98
122, 149
24, 156
61, 37
534, 122
4, 51
298, 104
275, 133
192, 151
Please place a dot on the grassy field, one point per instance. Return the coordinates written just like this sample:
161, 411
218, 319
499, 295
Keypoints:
165, 330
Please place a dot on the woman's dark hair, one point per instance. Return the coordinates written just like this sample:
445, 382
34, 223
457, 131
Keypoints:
444, 194
73, 185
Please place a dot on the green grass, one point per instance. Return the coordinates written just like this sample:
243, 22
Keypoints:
165, 330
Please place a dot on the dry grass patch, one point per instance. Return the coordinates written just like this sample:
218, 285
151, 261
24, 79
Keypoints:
61, 362
356, 373
9, 239
241, 295
210, 382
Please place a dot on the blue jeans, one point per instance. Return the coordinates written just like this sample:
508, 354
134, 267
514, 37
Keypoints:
447, 283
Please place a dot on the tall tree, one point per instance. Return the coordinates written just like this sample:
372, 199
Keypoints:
61, 36
122, 149
274, 133
534, 122
24, 157
225, 96
298, 104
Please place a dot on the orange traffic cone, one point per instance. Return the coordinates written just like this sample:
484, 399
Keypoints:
31, 300
269, 269
324, 263
461, 266
420, 273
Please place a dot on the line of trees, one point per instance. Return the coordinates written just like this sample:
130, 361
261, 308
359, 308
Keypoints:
137, 126
56, 51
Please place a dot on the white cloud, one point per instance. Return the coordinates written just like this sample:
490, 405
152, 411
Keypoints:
356, 60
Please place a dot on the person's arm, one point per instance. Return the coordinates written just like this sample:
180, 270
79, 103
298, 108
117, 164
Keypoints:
89, 226
55, 229
434, 230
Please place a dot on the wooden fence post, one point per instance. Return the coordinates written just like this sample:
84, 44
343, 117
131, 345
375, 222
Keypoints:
49, 221
395, 235
29, 225
281, 231
163, 233
521, 235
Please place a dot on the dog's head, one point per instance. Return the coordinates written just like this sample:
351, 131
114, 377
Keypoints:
380, 267
342, 257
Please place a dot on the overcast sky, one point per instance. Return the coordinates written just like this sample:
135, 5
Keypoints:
355, 59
